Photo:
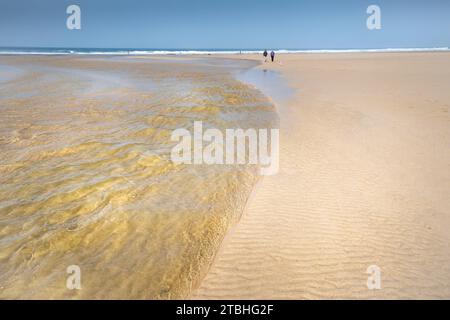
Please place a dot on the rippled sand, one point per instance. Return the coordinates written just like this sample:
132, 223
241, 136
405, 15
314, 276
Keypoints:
86, 178
364, 180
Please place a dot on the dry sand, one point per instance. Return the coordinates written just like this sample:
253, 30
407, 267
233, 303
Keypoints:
364, 180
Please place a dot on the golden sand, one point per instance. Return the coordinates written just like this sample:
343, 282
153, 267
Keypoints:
364, 180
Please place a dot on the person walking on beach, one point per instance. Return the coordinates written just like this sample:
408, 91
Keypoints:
265, 55
272, 55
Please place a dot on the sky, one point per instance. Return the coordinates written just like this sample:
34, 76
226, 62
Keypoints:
225, 24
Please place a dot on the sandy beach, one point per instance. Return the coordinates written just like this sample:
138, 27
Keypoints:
225, 158
87, 178
364, 180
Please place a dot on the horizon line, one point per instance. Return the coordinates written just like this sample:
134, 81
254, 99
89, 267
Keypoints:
190, 51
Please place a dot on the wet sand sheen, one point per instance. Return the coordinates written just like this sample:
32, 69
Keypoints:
86, 177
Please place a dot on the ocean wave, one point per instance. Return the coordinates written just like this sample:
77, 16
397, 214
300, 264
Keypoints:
200, 52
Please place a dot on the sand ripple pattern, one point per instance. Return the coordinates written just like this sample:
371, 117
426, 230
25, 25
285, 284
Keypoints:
364, 180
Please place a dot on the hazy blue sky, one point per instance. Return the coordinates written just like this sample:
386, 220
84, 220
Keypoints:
248, 24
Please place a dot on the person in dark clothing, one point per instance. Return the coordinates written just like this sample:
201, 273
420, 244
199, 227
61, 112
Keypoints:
265, 55
272, 55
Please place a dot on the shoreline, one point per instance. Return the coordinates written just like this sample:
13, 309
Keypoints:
362, 182
183, 52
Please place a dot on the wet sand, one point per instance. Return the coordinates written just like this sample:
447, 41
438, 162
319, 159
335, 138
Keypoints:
364, 180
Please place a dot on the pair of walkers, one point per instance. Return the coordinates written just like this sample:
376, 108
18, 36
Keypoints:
272, 55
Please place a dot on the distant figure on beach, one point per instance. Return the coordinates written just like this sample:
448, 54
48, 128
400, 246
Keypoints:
272, 55
265, 55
